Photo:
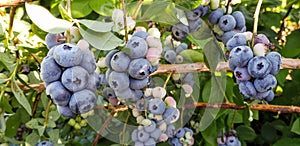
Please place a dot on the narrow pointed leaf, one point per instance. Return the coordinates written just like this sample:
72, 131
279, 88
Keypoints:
97, 25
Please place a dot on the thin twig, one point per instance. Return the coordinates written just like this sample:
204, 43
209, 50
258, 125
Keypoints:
68, 8
227, 6
283, 22
137, 9
260, 107
125, 20
47, 113
11, 21
256, 15
35, 104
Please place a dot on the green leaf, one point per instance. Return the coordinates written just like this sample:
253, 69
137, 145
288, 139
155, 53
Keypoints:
32, 123
97, 25
192, 55
40, 129
80, 8
54, 135
287, 141
18, 93
63, 12
12, 125
45, 20
269, 133
103, 7
100, 40
296, 127
246, 133
7, 61
32, 139
292, 47
53, 115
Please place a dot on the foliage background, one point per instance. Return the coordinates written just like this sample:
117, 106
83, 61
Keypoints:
24, 102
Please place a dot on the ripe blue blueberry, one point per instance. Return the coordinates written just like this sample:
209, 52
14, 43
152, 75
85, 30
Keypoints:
126, 93
227, 36
109, 56
238, 39
180, 133
88, 61
262, 95
171, 115
134, 135
44, 143
247, 89
275, 59
170, 56
171, 131
109, 92
261, 38
119, 61
93, 82
227, 23
141, 34
259, 67
75, 78
241, 73
53, 40
233, 141
67, 55
65, 111
118, 81
137, 47
215, 16
50, 71
265, 84
82, 101
139, 68
194, 25
151, 127
138, 84
270, 97
150, 142
180, 31
156, 106
240, 19
156, 133
239, 56
181, 47
143, 135
58, 93
141, 105
175, 142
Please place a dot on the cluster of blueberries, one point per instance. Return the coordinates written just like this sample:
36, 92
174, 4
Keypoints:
68, 72
44, 143
254, 70
228, 139
156, 114
181, 30
129, 69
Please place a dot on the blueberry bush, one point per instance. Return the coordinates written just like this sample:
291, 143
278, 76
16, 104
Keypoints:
146, 73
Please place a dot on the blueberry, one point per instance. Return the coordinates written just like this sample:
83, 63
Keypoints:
180, 133
262, 95
188, 130
141, 34
82, 101
103, 79
188, 79
126, 93
171, 131
202, 9
275, 59
156, 106
240, 19
227, 36
138, 84
88, 61
93, 82
50, 71
150, 142
58, 93
194, 25
171, 115
53, 40
67, 55
170, 56
237, 40
138, 143
175, 142
180, 31
233, 141
265, 84
241, 73
143, 135
247, 89
119, 62
109, 56
107, 73
118, 81
193, 15
141, 105
259, 67
156, 133
137, 47
65, 111
261, 38
181, 47
215, 16
227, 23
139, 68
270, 97
239, 56
134, 135
75, 78
109, 92
151, 127
44, 143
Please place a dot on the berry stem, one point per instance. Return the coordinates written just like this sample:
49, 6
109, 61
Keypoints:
227, 6
167, 80
256, 16
11, 21
137, 9
68, 8
282, 26
260, 107
47, 113
125, 21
